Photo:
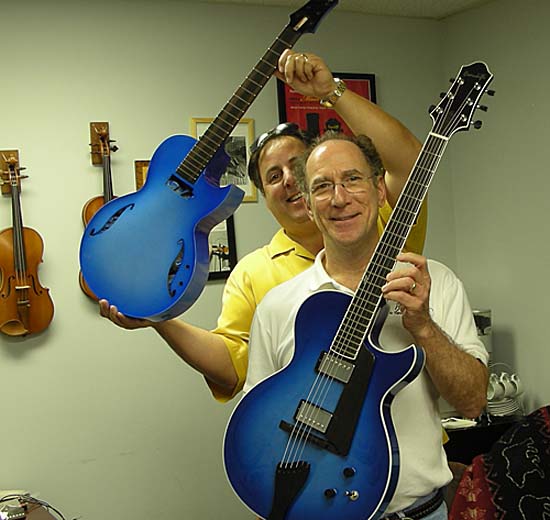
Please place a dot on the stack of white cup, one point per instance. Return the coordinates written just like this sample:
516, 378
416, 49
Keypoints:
502, 394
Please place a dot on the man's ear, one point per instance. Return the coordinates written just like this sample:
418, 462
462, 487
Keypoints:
381, 187
308, 207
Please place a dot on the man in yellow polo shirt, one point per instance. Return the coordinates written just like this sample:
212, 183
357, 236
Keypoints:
221, 355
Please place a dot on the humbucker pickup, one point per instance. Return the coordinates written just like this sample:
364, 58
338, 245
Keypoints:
335, 367
314, 416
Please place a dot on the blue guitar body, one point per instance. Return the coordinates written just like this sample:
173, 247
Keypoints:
256, 437
147, 252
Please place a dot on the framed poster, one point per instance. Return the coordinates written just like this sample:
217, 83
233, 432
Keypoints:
223, 251
237, 147
313, 118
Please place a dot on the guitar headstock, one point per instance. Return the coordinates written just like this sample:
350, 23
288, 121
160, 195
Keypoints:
456, 108
307, 18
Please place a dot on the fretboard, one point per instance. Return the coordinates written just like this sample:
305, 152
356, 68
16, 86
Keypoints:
365, 303
222, 126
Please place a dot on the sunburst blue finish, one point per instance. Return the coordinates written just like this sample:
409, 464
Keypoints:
254, 443
127, 259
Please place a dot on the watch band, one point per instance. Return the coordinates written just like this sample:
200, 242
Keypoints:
335, 95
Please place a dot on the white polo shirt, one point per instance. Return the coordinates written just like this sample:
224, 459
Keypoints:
415, 413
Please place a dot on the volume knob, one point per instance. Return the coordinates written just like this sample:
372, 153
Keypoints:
330, 493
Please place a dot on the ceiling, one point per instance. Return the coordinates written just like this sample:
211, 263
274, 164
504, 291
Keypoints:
432, 9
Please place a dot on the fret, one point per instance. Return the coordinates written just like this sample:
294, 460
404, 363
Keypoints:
224, 122
410, 196
418, 182
385, 268
220, 129
387, 259
353, 337
392, 235
405, 223
248, 91
230, 115
347, 349
389, 252
260, 85
241, 98
238, 108
434, 154
210, 144
405, 210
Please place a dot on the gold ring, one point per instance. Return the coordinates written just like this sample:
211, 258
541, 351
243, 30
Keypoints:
413, 287
304, 56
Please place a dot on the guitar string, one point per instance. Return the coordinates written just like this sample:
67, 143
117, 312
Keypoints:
209, 143
419, 196
349, 331
326, 380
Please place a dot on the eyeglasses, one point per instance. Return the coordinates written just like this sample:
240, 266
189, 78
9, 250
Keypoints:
355, 183
291, 129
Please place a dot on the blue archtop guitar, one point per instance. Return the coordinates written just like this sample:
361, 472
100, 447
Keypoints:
316, 439
147, 252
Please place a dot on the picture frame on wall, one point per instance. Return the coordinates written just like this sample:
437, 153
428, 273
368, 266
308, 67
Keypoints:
310, 115
223, 250
141, 168
237, 147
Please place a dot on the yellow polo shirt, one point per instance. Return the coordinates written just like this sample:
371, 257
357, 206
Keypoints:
265, 268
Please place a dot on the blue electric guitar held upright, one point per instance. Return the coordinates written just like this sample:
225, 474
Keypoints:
316, 440
147, 252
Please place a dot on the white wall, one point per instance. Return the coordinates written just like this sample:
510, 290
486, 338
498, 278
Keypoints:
107, 423
102, 422
500, 183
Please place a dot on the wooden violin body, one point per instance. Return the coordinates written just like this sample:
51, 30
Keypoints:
25, 305
99, 133
24, 309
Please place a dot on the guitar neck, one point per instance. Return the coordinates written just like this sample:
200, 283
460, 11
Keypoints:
367, 298
226, 121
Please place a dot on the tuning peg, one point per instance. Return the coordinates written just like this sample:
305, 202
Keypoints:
482, 107
451, 80
431, 107
113, 148
442, 94
490, 92
477, 124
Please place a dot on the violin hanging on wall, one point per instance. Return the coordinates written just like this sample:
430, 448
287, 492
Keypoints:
25, 306
102, 147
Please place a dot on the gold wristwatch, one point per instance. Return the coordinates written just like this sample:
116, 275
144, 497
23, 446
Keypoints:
335, 95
